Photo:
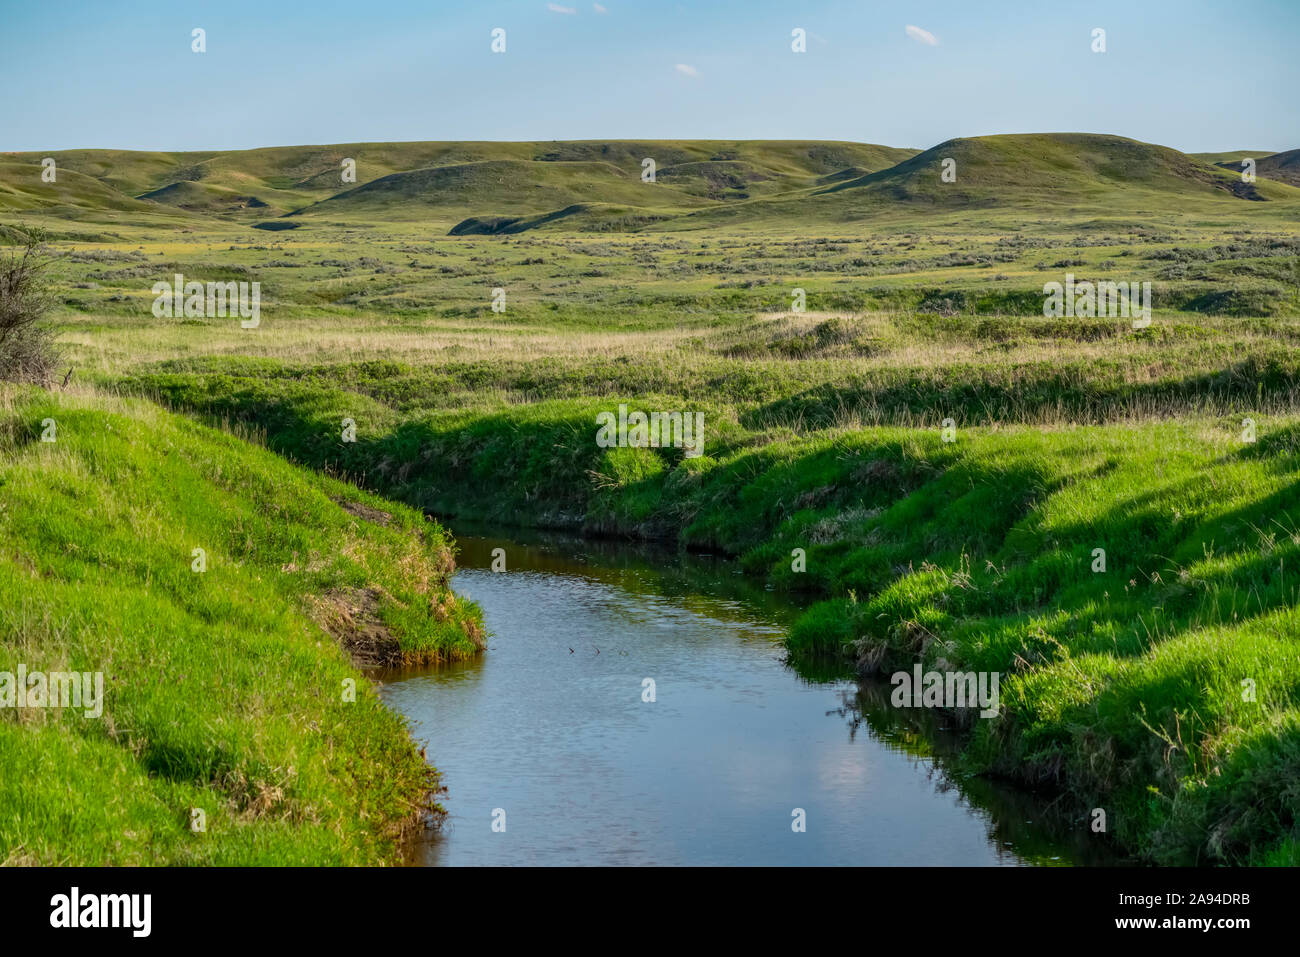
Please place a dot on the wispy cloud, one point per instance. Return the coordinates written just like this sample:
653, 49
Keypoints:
923, 36
687, 69
556, 8
598, 8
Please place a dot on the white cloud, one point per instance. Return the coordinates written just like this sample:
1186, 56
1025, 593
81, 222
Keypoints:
687, 69
556, 8
924, 36
598, 8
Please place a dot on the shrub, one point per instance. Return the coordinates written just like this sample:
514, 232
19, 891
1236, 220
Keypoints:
27, 352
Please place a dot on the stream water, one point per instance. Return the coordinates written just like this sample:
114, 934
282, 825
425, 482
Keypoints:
552, 754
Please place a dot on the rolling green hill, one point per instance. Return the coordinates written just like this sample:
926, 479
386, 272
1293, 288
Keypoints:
482, 187
507, 187
202, 198
446, 181
605, 179
1064, 175
1283, 167
1232, 157
72, 195
1061, 169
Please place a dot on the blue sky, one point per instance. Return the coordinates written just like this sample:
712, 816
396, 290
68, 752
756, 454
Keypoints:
1190, 74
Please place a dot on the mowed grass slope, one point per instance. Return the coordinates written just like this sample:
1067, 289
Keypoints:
225, 690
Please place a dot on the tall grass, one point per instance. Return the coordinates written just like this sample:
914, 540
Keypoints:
226, 690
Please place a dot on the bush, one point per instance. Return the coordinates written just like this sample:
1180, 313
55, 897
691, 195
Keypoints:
27, 352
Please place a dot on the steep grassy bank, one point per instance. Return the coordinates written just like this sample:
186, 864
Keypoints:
1162, 686
226, 683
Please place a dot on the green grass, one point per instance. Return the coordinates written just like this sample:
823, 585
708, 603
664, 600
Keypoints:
419, 181
975, 554
224, 690
1283, 167
699, 184
1231, 156
1121, 689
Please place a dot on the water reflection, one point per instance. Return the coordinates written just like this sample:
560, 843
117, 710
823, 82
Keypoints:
550, 728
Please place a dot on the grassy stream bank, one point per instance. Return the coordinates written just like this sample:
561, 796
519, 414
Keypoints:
234, 725
1162, 689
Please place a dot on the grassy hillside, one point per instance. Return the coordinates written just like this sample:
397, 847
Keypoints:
487, 188
72, 196
1048, 170
1283, 167
224, 690
499, 187
1232, 157
545, 177
450, 181
205, 198
129, 172
1002, 181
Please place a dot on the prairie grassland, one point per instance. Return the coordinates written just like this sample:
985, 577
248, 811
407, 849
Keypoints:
1123, 688
826, 325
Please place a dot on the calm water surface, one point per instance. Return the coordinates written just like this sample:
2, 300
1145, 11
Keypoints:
550, 727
